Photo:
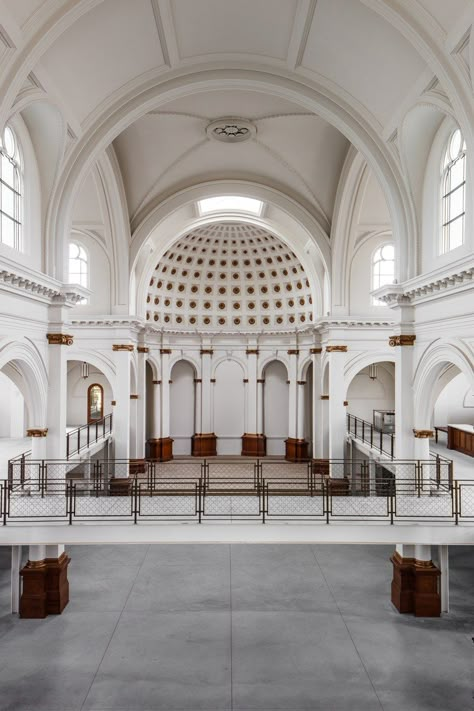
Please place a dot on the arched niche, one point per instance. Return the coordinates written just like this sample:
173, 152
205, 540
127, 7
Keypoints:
182, 406
275, 407
366, 394
229, 407
13, 416
78, 392
455, 400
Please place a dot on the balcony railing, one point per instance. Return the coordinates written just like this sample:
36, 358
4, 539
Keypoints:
365, 431
86, 435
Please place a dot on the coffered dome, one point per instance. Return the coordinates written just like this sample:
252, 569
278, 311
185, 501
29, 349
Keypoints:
229, 275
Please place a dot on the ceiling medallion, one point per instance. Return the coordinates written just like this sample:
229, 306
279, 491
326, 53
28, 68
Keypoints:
231, 130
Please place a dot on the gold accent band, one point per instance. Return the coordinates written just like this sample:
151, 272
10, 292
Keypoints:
402, 340
336, 349
37, 432
123, 347
59, 339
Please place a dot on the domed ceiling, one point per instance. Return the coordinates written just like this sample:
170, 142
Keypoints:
229, 276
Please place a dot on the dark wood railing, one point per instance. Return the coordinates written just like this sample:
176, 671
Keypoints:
86, 435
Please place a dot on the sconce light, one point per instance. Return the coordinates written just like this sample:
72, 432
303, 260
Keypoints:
373, 371
85, 370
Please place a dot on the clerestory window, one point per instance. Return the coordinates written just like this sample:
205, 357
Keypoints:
10, 190
383, 268
453, 191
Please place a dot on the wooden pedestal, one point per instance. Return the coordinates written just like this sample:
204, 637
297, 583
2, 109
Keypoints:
160, 449
204, 445
254, 445
45, 587
296, 450
137, 466
120, 487
415, 587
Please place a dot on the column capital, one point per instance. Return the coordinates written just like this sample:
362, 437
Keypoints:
59, 339
37, 432
134, 397
324, 397
207, 351
336, 349
293, 351
123, 347
165, 351
246, 380
157, 382
198, 380
346, 403
142, 349
315, 351
252, 351
213, 380
401, 340
423, 434
113, 402
301, 382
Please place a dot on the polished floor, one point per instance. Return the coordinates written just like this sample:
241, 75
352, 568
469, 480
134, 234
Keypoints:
219, 628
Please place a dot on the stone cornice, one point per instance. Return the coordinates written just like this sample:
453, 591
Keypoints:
38, 286
428, 287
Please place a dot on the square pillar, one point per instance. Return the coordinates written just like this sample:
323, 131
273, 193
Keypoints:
337, 395
404, 398
57, 395
123, 355
318, 425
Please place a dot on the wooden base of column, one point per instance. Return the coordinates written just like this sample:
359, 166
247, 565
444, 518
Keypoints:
45, 587
415, 587
120, 487
296, 450
160, 449
137, 466
204, 445
254, 445
57, 584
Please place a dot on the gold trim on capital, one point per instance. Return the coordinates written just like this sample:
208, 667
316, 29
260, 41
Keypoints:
157, 382
59, 339
324, 397
37, 432
252, 351
336, 349
207, 351
315, 351
402, 340
123, 347
165, 351
423, 434
133, 397
346, 403
142, 349
294, 351
301, 382
113, 402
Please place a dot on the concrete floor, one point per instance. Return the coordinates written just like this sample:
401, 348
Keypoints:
215, 628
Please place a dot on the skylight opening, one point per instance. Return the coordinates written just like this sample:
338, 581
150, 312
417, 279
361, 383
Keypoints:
230, 203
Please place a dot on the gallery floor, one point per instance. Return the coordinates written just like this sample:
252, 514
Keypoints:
216, 628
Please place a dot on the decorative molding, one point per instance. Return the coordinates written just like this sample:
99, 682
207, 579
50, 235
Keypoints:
315, 351
346, 403
301, 382
207, 351
157, 382
402, 340
246, 380
59, 339
113, 403
37, 432
293, 351
38, 286
142, 349
165, 351
423, 434
324, 397
198, 380
336, 349
252, 351
133, 397
213, 380
123, 347
260, 380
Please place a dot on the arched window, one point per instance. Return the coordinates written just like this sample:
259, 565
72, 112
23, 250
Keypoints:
453, 188
11, 189
383, 268
95, 403
78, 265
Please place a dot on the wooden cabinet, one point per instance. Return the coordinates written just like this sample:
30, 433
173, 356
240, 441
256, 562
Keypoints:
461, 438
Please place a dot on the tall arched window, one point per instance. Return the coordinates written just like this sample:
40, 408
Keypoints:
383, 268
453, 192
78, 265
11, 190
95, 403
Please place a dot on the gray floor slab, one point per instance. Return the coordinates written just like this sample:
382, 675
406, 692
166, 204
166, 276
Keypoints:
237, 628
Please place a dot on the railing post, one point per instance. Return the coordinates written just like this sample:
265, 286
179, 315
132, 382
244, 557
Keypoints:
363, 431
391, 446
355, 427
326, 496
135, 494
70, 490
5, 502
200, 502
67, 445
457, 502
392, 494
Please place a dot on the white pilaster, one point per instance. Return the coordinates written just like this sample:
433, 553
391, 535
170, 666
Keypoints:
198, 406
300, 423
156, 425
206, 389
165, 392
141, 402
337, 395
123, 355
318, 426
292, 394
260, 396
57, 395
252, 396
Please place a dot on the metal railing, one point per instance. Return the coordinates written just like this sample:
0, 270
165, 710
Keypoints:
323, 491
86, 435
383, 442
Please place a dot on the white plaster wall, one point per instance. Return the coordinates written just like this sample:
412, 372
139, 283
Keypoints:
77, 393
455, 404
365, 395
275, 412
229, 400
182, 406
12, 409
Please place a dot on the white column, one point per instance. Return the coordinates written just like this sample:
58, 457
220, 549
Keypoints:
38, 442
300, 423
36, 553
165, 392
122, 398
404, 399
57, 395
15, 578
422, 553
443, 556
133, 425
156, 428
292, 394
260, 395
337, 394
206, 393
198, 406
252, 397
318, 425
141, 402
